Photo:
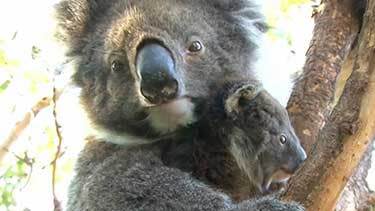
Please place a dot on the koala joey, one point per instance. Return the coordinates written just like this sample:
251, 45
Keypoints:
242, 144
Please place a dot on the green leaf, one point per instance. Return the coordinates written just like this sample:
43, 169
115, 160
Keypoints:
2, 58
10, 180
4, 86
35, 52
5, 62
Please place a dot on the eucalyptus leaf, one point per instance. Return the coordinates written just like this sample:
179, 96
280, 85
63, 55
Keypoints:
4, 85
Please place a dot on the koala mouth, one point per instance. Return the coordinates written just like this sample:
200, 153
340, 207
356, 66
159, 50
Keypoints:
265, 186
279, 176
168, 117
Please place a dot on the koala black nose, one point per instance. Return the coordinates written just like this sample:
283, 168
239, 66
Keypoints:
296, 160
155, 64
301, 157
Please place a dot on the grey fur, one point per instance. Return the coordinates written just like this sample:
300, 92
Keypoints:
98, 32
110, 177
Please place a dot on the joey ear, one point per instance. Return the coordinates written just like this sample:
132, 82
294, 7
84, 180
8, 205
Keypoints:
241, 96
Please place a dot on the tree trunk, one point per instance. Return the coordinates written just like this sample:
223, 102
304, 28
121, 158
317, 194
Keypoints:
336, 28
336, 138
357, 193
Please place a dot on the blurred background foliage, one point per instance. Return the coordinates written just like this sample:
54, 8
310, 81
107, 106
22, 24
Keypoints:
32, 66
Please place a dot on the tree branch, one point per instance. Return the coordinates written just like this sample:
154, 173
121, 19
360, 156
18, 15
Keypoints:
357, 192
56, 202
22, 124
347, 134
335, 31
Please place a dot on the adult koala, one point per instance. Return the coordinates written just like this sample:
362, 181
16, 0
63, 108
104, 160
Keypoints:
144, 67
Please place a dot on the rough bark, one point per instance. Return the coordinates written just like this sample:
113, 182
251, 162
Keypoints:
347, 132
357, 192
335, 31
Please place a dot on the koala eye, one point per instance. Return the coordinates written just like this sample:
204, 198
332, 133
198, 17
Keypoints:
195, 46
117, 66
283, 139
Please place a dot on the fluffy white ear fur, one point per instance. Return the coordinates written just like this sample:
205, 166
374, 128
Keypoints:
248, 92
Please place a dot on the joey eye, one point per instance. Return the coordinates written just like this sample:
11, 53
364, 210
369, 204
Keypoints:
283, 139
195, 46
117, 66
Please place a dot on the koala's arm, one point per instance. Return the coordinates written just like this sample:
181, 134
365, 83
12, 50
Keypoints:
136, 180
269, 204
139, 181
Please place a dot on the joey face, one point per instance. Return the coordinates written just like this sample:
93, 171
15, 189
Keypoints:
280, 154
262, 140
144, 65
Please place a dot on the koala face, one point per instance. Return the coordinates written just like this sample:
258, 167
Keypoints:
144, 65
262, 139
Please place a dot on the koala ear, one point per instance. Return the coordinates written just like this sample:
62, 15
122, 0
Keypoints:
233, 5
72, 17
75, 16
247, 12
241, 96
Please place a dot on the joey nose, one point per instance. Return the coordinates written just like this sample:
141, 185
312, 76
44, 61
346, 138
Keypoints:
294, 157
303, 156
298, 160
159, 82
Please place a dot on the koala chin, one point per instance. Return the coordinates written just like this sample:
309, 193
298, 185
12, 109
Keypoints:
170, 116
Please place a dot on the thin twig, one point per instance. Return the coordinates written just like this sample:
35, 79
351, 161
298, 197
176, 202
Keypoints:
21, 125
56, 202
28, 161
